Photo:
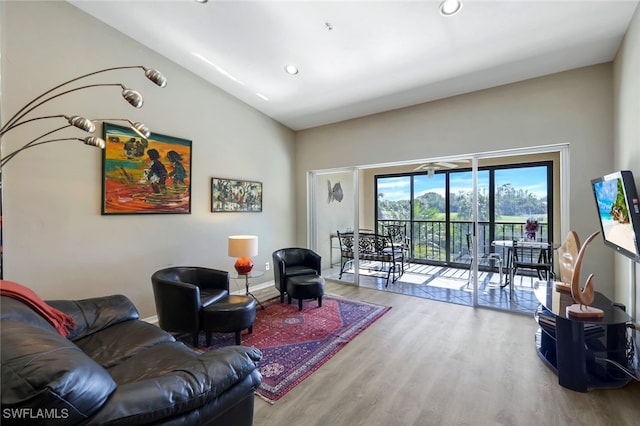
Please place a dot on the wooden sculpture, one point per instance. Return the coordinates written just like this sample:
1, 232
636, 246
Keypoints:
584, 297
567, 255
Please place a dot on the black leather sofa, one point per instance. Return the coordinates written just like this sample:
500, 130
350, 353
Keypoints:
114, 369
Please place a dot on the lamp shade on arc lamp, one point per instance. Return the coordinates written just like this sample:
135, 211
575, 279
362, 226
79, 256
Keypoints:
243, 247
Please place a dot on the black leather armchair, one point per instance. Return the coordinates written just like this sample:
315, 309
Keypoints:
293, 262
181, 292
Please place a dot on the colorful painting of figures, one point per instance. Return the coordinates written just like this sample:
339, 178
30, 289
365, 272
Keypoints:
235, 195
145, 175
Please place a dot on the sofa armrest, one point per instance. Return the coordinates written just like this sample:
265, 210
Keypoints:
95, 314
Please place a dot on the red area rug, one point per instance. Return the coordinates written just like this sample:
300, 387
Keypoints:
296, 343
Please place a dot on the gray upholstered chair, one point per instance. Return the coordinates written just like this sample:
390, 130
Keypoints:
292, 262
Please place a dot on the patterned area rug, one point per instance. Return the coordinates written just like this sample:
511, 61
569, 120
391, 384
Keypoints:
296, 343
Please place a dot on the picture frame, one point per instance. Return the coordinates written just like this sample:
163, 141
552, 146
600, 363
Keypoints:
145, 176
233, 195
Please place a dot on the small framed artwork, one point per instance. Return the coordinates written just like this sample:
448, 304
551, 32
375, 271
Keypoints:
145, 176
228, 195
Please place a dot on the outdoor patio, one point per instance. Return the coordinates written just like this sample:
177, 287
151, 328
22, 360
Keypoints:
448, 285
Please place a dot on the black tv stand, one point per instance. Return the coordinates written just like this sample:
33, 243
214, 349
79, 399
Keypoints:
582, 352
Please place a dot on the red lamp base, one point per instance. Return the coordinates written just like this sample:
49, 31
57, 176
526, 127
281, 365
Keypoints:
243, 265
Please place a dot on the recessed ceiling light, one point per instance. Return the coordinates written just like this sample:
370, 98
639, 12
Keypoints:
450, 7
291, 69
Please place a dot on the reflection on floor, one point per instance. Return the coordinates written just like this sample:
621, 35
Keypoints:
449, 285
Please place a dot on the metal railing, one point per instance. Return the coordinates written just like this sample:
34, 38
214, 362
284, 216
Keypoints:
439, 242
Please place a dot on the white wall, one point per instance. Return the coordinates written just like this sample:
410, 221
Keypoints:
333, 215
55, 239
574, 107
626, 75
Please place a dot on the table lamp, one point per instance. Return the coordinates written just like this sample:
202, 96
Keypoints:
243, 247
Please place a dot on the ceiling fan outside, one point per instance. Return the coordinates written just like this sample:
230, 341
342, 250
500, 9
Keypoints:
437, 165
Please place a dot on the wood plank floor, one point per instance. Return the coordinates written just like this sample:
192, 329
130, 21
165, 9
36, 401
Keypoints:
433, 363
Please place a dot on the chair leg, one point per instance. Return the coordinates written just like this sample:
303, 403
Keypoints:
239, 337
506, 272
511, 282
496, 258
299, 304
208, 338
282, 297
319, 301
288, 299
251, 330
194, 339
390, 269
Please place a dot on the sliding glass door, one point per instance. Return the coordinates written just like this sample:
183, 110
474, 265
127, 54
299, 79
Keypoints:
429, 231
455, 218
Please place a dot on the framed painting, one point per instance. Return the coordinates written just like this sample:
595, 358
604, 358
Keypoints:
145, 176
228, 195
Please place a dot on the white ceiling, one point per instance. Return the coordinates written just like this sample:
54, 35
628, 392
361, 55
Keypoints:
379, 55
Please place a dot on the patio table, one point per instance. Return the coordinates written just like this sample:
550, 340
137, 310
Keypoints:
508, 244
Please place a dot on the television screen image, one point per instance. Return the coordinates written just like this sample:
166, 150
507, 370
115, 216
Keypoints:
617, 201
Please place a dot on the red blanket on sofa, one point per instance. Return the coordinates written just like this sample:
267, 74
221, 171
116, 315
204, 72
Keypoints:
61, 321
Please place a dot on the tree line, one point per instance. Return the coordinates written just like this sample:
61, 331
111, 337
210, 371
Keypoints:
509, 201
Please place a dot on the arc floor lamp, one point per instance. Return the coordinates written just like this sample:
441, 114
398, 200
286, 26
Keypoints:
25, 115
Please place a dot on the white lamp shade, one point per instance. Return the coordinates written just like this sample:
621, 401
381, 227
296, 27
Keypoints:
243, 246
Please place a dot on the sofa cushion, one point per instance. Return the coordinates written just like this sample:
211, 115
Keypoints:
114, 345
40, 368
173, 379
95, 314
18, 311
62, 322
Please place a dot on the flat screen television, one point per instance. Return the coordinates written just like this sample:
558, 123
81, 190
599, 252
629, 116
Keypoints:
617, 201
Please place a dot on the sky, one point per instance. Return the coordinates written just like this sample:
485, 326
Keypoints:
533, 179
